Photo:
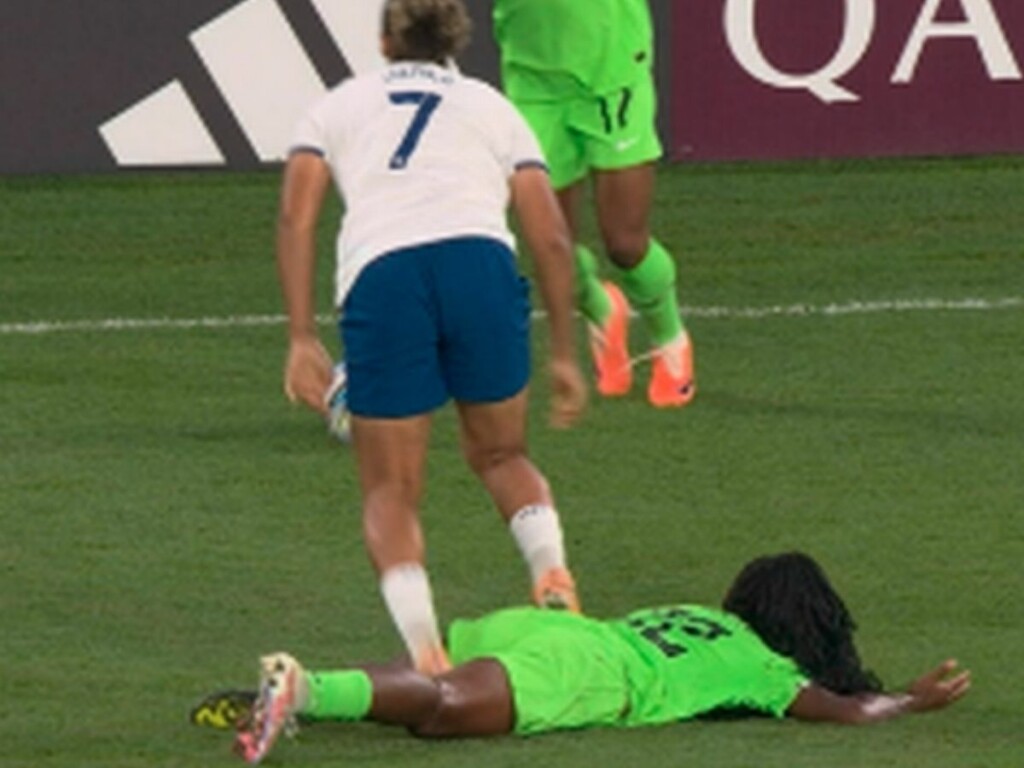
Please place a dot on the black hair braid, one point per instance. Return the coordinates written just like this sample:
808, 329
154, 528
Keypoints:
789, 602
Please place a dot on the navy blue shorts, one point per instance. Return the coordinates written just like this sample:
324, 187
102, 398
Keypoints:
448, 319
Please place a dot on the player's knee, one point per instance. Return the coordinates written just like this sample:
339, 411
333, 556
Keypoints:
484, 458
485, 451
626, 247
443, 719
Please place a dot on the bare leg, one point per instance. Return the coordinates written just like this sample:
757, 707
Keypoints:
590, 296
494, 443
569, 201
623, 199
473, 699
391, 454
647, 275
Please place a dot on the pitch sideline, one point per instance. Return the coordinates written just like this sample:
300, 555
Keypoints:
709, 312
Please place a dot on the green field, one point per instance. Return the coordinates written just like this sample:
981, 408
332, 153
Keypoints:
167, 516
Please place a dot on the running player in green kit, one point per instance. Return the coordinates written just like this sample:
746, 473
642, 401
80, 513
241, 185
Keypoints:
580, 72
781, 646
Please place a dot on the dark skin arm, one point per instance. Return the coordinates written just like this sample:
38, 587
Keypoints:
934, 690
474, 699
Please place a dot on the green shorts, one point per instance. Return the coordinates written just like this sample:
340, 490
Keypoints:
604, 132
565, 670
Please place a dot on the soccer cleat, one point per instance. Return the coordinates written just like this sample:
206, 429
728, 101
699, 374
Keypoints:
673, 384
224, 710
609, 346
336, 400
556, 589
282, 691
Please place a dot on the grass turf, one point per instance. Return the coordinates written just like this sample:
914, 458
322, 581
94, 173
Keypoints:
167, 517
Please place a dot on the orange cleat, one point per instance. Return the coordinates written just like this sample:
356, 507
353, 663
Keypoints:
673, 384
556, 589
609, 346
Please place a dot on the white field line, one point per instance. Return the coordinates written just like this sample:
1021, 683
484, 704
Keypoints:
713, 313
856, 308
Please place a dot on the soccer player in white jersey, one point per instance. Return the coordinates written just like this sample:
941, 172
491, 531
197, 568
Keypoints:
431, 303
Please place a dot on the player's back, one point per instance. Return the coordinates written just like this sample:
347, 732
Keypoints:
420, 153
693, 659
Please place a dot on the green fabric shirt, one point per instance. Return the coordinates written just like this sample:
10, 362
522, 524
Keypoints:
654, 666
553, 49
691, 659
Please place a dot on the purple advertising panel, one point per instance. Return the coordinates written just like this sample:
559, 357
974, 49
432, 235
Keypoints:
829, 78
109, 84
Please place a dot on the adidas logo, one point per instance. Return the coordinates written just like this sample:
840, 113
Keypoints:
262, 71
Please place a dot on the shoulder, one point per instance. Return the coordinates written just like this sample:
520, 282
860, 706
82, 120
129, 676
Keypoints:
476, 85
344, 99
480, 92
355, 85
489, 107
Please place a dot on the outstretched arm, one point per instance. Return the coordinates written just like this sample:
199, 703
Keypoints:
548, 240
934, 690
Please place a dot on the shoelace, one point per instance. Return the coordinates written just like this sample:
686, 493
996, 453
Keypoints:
597, 334
641, 358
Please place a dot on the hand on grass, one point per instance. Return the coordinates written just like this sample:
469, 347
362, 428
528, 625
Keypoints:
939, 688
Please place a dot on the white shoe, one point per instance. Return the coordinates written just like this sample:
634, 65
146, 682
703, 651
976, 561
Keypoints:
336, 400
283, 691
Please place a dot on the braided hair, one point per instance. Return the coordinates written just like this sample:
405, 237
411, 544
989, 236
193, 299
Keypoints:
426, 30
789, 602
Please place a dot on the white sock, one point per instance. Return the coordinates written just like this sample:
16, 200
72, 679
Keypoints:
538, 532
406, 591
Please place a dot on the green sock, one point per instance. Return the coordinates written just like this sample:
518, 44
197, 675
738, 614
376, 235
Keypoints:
344, 695
591, 297
650, 287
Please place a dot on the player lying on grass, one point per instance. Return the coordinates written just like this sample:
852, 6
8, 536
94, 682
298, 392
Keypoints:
781, 645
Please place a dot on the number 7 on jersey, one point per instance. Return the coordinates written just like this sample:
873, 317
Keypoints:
425, 104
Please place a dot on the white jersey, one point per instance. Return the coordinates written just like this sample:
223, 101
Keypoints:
419, 153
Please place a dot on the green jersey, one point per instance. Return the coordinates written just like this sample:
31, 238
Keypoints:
690, 659
553, 49
654, 666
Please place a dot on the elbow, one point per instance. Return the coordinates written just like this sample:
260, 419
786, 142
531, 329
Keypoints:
858, 716
289, 222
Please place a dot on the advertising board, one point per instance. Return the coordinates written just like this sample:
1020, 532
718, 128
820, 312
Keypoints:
794, 78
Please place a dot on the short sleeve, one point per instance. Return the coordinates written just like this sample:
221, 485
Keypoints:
778, 686
310, 134
526, 149
521, 148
